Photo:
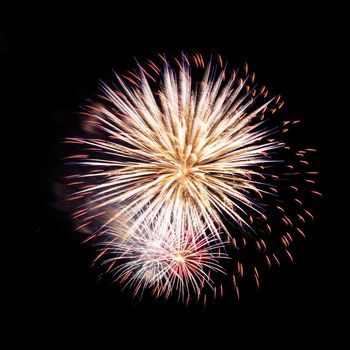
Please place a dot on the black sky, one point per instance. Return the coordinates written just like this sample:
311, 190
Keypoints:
50, 66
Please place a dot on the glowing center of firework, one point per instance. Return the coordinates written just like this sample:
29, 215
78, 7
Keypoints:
179, 257
184, 170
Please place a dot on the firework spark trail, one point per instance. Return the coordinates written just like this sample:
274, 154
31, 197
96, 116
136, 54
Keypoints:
179, 158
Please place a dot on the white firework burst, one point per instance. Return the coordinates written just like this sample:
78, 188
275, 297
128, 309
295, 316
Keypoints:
183, 151
177, 261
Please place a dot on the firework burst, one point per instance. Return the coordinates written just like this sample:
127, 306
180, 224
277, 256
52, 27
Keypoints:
176, 261
189, 162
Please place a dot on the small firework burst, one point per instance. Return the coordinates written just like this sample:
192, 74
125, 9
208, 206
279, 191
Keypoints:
201, 169
176, 260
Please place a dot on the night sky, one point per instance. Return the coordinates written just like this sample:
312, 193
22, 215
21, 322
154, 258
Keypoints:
50, 67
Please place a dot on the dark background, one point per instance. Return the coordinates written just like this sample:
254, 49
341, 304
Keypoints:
49, 66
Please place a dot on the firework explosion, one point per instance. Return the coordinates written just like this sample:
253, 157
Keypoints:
184, 174
176, 260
